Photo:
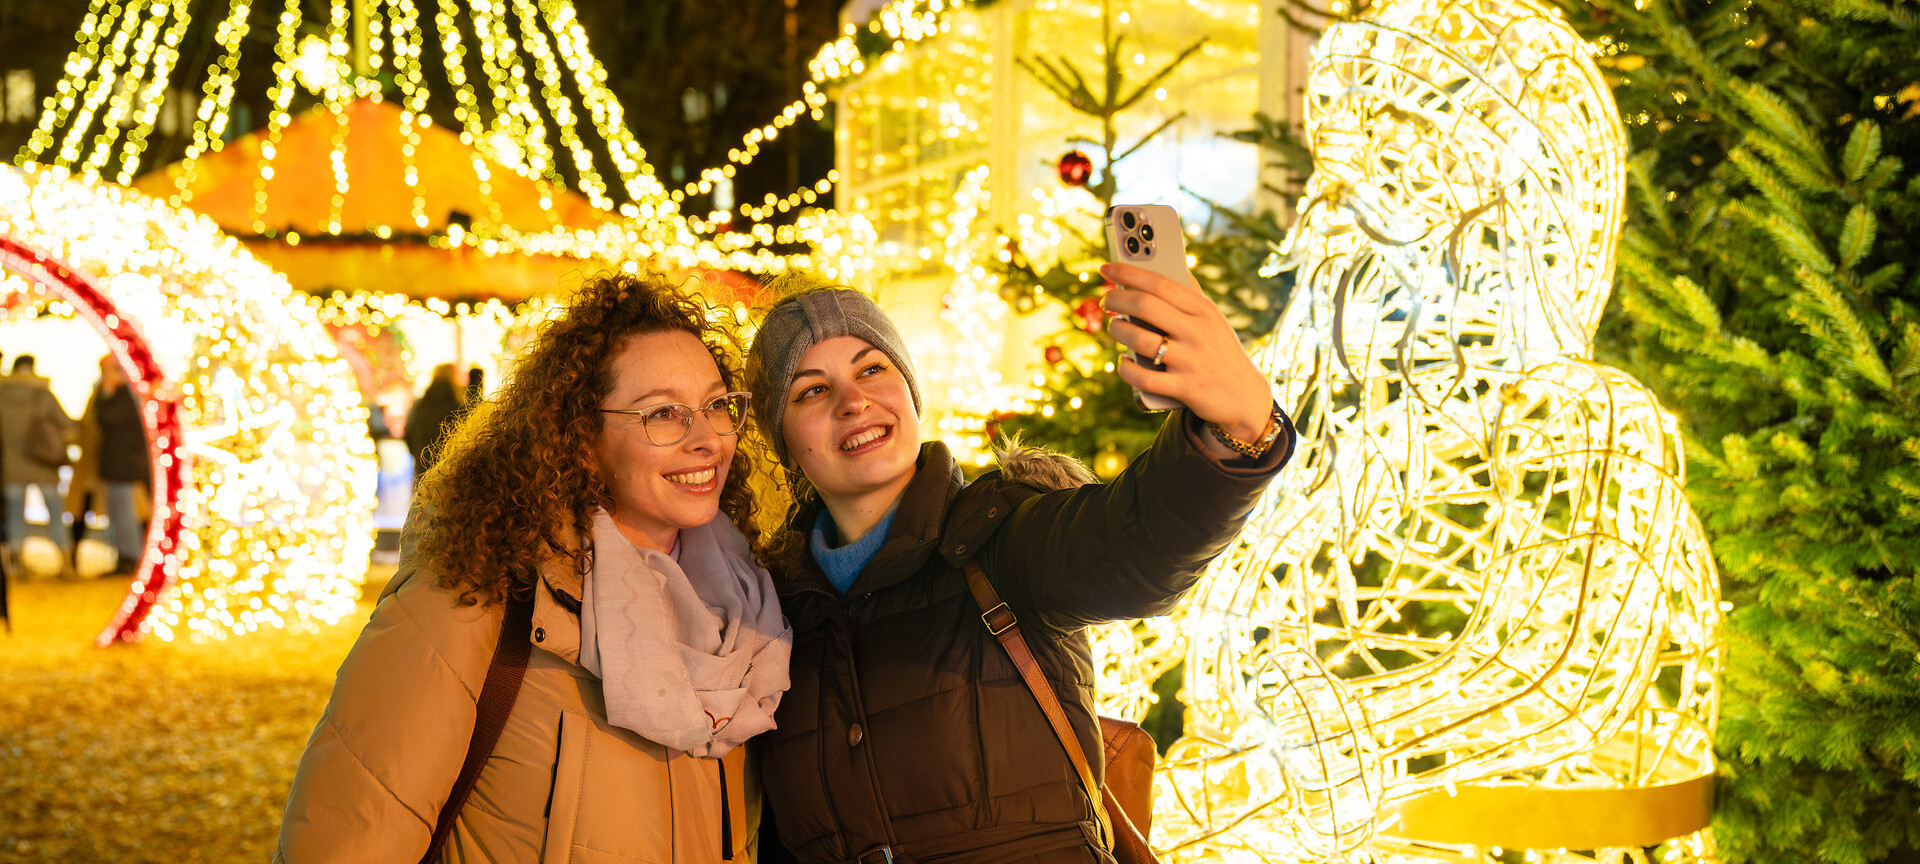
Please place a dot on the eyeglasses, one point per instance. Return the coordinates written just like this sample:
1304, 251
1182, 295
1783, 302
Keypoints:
669, 423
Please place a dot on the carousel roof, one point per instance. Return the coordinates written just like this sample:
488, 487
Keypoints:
371, 140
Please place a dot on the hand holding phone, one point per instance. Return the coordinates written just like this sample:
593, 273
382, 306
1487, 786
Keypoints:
1149, 236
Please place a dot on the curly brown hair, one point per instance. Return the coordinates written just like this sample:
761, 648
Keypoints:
519, 479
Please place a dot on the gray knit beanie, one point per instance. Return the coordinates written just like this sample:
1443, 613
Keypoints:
802, 321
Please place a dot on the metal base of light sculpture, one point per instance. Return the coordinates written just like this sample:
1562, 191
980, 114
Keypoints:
263, 471
1475, 615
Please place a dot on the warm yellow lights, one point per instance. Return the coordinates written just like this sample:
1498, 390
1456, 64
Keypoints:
544, 91
1474, 616
270, 523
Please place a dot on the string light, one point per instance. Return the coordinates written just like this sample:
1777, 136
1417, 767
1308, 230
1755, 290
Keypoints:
107, 75
262, 464
280, 93
542, 51
216, 103
150, 98
80, 68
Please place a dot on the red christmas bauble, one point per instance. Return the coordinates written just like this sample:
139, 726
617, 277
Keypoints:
1075, 168
1090, 314
1055, 356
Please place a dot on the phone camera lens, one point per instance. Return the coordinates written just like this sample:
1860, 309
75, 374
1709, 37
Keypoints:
1133, 245
1127, 220
1146, 232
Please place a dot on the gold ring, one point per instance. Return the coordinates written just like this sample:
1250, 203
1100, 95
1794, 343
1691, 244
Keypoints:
1160, 356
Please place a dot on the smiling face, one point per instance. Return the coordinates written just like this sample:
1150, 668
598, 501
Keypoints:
850, 423
658, 490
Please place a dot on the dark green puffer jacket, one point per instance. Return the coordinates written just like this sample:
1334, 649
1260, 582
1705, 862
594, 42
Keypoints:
907, 731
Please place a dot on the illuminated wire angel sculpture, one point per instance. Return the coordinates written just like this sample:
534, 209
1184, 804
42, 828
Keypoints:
1476, 611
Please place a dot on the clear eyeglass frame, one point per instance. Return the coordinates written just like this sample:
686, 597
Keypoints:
669, 423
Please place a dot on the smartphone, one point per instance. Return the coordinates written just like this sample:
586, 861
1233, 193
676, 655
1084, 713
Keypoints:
1149, 236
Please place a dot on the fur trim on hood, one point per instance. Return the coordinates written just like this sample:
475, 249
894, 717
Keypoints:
1041, 468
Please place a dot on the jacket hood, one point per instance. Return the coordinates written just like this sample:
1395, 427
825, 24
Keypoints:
1042, 468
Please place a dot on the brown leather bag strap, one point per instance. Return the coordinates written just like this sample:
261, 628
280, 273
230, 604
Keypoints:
497, 696
1005, 627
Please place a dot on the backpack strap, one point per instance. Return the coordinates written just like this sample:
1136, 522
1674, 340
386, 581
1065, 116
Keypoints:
1005, 627
497, 696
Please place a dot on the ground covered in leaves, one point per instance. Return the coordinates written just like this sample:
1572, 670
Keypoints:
155, 752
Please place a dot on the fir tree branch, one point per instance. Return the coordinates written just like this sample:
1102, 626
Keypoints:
1793, 238
1652, 203
1154, 79
1069, 86
1149, 136
1856, 235
1858, 353
1862, 150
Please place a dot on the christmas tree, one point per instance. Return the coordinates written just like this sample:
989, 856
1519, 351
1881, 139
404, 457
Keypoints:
1767, 288
1085, 408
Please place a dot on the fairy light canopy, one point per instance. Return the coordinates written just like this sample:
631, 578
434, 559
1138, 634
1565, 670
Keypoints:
263, 495
514, 80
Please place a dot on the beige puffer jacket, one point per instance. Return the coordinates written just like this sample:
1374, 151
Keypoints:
562, 785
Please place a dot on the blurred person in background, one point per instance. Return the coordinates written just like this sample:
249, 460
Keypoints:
31, 423
114, 465
433, 416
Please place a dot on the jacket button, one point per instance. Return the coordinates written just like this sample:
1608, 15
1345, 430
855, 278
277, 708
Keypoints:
539, 634
992, 512
855, 735
960, 549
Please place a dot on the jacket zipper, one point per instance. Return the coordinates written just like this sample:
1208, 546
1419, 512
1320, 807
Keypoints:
860, 708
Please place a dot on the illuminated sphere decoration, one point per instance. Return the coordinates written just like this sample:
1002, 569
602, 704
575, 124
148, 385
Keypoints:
263, 469
1474, 618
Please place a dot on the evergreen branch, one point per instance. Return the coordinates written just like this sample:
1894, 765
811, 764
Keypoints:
1786, 203
1859, 353
1860, 10
1908, 364
1694, 302
1784, 138
1640, 180
1856, 235
1149, 136
1862, 150
1797, 243
1881, 278
1069, 86
1157, 77
1271, 135
1807, 175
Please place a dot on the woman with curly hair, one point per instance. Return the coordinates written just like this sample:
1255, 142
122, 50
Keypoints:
571, 521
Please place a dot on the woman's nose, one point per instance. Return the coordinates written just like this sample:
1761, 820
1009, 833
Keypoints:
851, 399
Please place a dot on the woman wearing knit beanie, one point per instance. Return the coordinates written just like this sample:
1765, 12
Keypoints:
908, 734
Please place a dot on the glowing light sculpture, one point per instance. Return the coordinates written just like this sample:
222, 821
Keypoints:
1475, 614
263, 471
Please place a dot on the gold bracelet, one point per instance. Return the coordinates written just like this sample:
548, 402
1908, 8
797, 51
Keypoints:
1259, 447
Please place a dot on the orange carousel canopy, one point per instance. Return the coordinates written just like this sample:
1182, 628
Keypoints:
300, 198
